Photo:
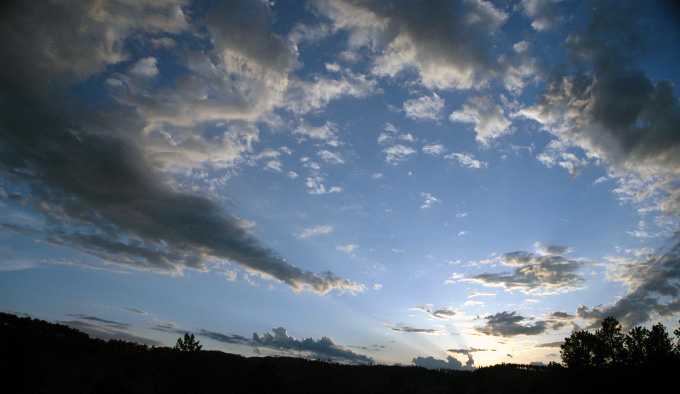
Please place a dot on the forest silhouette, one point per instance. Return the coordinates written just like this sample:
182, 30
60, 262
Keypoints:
43, 357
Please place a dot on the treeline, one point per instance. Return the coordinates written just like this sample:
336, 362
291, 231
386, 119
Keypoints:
42, 357
26, 333
609, 346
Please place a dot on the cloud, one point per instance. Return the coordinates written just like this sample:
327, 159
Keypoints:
402, 328
47, 48
310, 232
545, 13
450, 363
653, 282
487, 116
278, 339
536, 274
429, 200
468, 350
126, 212
550, 250
330, 157
398, 153
316, 187
305, 96
551, 344
431, 38
110, 323
347, 248
327, 131
434, 149
424, 107
323, 348
634, 137
466, 160
509, 324
108, 332
441, 314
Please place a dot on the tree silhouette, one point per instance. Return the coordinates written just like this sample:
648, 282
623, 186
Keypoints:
189, 344
579, 350
609, 344
659, 345
636, 343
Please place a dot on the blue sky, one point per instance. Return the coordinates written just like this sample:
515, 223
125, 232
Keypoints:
456, 183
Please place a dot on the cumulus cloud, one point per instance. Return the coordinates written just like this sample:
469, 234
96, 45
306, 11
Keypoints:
327, 131
429, 200
316, 187
278, 339
88, 172
431, 38
619, 117
653, 282
542, 274
488, 118
424, 107
450, 363
323, 348
434, 149
398, 153
305, 96
466, 160
330, 157
509, 324
545, 13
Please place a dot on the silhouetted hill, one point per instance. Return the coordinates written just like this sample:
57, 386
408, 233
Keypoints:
41, 357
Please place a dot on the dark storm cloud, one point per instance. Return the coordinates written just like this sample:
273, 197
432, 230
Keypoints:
509, 324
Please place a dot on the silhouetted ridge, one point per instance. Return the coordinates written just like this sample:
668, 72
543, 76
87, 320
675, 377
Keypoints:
42, 357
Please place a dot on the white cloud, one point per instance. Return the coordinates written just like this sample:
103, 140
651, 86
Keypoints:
398, 153
429, 200
424, 107
347, 248
467, 160
327, 131
310, 232
487, 116
434, 149
330, 157
316, 187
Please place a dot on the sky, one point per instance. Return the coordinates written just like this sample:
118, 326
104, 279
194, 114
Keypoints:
440, 183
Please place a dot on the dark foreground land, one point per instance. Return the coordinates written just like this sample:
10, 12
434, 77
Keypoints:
41, 357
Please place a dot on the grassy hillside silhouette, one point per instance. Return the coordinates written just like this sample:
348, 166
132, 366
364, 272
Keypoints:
42, 357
